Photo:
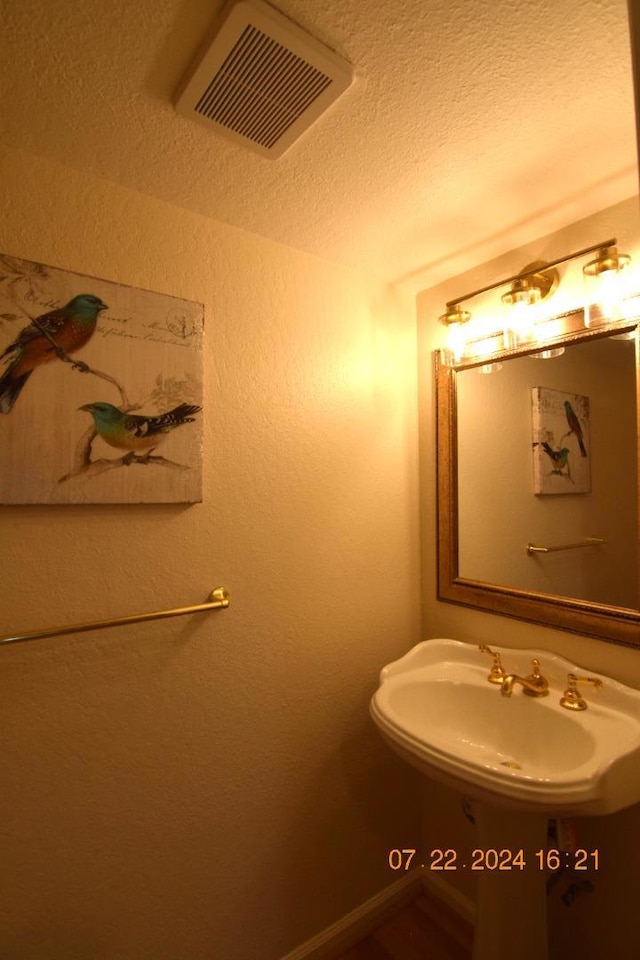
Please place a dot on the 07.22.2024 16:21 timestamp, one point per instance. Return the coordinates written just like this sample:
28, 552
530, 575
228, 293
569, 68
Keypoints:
493, 859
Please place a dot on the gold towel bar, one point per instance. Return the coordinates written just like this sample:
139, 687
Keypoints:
587, 542
218, 598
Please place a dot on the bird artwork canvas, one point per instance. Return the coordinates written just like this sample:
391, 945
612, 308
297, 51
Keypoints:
561, 442
100, 390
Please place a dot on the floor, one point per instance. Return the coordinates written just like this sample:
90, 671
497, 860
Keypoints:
425, 930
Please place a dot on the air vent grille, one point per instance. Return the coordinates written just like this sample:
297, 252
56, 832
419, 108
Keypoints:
264, 81
261, 88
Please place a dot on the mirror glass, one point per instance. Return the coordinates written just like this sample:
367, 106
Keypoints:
538, 486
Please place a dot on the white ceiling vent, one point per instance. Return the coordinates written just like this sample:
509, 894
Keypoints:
264, 80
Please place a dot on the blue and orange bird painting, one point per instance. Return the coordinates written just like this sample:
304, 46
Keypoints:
51, 335
574, 427
132, 432
559, 459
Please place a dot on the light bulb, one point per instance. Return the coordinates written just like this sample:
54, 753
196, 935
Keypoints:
604, 284
455, 345
522, 313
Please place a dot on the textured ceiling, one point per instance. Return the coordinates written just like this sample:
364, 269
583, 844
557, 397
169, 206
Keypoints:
472, 125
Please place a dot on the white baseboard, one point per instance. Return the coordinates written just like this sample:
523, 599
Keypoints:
340, 936
439, 889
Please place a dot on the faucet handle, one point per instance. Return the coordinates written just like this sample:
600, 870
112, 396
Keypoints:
572, 698
537, 681
535, 670
497, 672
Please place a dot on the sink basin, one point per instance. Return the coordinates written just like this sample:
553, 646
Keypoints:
436, 708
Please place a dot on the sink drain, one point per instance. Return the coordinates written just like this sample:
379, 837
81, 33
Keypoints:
511, 764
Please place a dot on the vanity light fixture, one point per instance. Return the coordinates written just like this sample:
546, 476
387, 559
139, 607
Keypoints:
523, 299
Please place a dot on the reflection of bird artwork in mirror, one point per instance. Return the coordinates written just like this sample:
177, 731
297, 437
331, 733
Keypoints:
561, 464
57, 333
128, 431
574, 427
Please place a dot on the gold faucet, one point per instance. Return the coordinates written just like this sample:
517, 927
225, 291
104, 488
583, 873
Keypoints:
535, 685
571, 698
497, 672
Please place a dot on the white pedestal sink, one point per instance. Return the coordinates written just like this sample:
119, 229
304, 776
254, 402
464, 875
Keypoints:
511, 905
521, 759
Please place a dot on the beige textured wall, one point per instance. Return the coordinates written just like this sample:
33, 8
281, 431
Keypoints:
212, 787
604, 922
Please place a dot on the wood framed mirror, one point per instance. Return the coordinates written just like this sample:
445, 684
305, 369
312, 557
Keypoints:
491, 497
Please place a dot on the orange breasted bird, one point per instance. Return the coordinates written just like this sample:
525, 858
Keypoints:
68, 329
128, 431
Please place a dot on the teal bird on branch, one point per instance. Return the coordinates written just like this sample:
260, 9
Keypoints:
128, 431
54, 334
559, 459
574, 427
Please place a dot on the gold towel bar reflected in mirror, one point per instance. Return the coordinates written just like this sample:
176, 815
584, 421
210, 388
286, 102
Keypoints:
587, 542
